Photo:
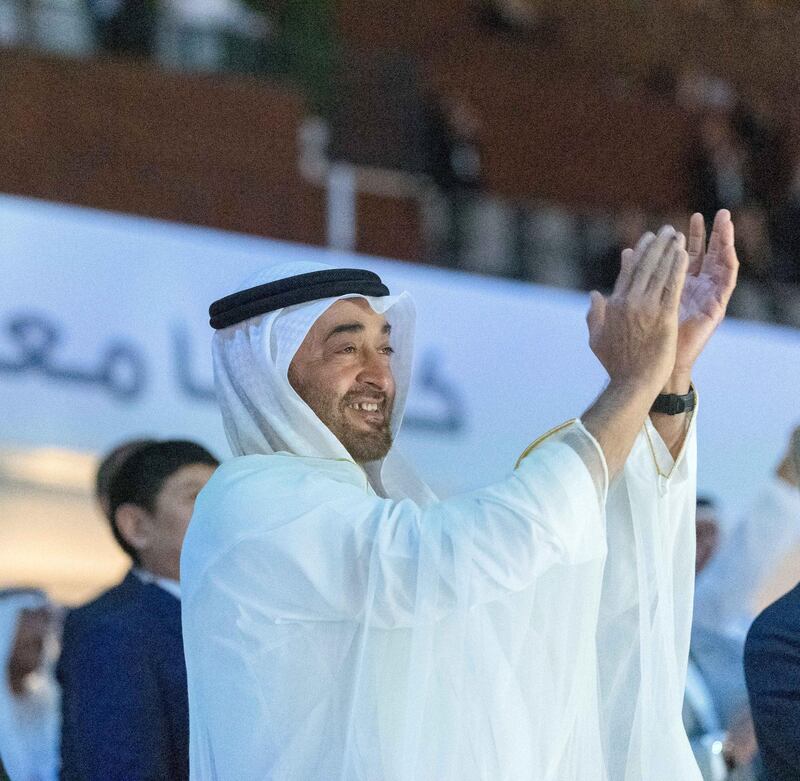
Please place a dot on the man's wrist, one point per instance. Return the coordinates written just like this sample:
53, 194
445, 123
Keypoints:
678, 384
632, 393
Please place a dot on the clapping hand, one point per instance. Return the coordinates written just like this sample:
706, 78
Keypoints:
709, 283
634, 332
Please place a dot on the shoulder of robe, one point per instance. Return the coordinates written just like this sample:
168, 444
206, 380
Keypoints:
250, 496
283, 465
280, 476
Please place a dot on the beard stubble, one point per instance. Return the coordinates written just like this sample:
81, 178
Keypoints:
363, 445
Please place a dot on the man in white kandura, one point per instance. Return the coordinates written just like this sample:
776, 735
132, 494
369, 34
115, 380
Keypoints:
342, 623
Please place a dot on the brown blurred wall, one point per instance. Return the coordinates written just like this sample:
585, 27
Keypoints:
210, 150
127, 137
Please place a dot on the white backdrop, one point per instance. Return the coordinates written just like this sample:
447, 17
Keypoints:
104, 335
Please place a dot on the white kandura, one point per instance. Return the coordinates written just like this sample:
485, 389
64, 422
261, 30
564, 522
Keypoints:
348, 625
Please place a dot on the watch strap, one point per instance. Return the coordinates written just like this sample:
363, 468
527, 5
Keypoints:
674, 403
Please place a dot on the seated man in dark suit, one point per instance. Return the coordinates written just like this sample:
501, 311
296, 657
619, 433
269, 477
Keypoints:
123, 669
772, 670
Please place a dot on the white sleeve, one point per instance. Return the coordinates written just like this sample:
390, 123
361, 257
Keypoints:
645, 612
489, 671
349, 554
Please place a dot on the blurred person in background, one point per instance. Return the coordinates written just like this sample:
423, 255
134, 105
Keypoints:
717, 165
126, 27
220, 34
29, 698
455, 166
772, 670
716, 716
699, 90
224, 15
728, 588
521, 20
763, 543
707, 532
108, 468
785, 230
124, 673
757, 293
602, 272
768, 160
81, 623
700, 716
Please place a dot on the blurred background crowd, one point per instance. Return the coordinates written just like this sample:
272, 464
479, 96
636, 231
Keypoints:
511, 138
508, 137
98, 691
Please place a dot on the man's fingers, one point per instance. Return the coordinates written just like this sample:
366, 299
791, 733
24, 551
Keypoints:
727, 287
724, 243
725, 231
721, 222
629, 262
625, 271
722, 266
596, 315
658, 279
726, 271
673, 287
697, 243
641, 246
720, 235
720, 218
644, 268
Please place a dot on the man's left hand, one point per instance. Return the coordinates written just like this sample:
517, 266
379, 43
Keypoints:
710, 281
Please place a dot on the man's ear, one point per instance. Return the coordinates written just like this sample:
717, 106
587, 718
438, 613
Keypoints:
134, 524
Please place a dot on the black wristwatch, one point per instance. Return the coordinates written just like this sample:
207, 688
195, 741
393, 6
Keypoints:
674, 404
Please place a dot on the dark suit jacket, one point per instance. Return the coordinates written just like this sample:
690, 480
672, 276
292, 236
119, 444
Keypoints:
772, 670
125, 704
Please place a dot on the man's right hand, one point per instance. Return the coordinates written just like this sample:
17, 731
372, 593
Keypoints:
634, 332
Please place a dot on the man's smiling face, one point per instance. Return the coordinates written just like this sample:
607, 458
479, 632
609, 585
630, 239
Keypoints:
342, 370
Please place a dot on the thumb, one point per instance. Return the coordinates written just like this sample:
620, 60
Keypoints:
596, 315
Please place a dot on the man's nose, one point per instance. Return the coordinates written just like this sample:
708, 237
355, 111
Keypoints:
375, 371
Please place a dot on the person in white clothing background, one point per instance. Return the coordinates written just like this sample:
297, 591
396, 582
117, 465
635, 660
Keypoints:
758, 561
29, 696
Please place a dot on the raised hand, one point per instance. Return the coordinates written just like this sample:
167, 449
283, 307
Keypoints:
634, 332
709, 283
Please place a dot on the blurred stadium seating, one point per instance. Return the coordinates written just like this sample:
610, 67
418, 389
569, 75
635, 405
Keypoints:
260, 117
